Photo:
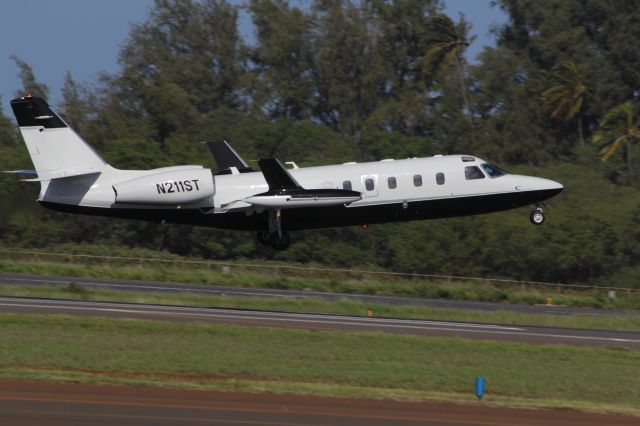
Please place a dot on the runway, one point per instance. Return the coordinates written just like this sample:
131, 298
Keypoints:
528, 334
29, 404
35, 403
216, 290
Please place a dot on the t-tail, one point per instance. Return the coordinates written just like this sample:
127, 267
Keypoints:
56, 150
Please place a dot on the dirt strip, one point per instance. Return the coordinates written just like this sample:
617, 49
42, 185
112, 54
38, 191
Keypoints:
36, 403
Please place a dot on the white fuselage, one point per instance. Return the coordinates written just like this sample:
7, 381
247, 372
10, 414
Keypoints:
415, 180
392, 190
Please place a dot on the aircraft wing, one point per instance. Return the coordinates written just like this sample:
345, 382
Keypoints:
285, 192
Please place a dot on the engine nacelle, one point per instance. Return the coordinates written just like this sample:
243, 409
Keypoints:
174, 187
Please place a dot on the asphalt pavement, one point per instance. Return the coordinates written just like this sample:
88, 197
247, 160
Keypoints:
528, 334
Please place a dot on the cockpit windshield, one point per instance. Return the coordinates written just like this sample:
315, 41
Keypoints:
492, 170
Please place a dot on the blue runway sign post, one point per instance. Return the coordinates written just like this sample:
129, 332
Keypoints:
479, 387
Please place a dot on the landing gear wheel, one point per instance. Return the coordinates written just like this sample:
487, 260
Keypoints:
280, 242
537, 217
264, 238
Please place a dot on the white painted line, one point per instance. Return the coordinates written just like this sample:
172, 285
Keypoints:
269, 315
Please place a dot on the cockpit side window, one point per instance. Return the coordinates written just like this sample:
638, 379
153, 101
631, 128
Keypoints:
492, 170
473, 172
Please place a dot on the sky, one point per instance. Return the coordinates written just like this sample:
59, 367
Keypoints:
84, 37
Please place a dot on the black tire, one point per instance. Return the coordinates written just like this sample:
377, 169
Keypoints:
264, 238
537, 217
280, 242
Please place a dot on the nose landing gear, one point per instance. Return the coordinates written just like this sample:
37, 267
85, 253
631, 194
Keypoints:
537, 216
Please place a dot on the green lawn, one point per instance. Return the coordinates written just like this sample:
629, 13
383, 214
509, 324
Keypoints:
343, 282
197, 355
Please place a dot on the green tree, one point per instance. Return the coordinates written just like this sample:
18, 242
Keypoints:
74, 108
348, 70
185, 59
566, 94
29, 83
597, 35
448, 41
283, 58
619, 127
402, 40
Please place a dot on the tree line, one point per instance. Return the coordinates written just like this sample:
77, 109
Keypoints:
336, 80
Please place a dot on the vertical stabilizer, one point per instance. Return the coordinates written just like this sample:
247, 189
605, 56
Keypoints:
55, 149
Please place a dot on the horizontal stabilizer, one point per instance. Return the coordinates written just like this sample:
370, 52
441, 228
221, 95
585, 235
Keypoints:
21, 172
227, 158
277, 176
49, 177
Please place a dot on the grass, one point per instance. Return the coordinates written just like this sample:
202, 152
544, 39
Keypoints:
311, 304
256, 359
351, 283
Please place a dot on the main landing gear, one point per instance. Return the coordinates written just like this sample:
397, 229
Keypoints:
278, 242
275, 237
537, 216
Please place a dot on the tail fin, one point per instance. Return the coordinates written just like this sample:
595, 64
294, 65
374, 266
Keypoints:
55, 149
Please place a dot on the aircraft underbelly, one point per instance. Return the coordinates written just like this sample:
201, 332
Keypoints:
327, 216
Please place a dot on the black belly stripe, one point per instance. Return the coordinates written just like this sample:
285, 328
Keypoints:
324, 216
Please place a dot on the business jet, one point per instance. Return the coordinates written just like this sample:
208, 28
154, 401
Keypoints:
273, 201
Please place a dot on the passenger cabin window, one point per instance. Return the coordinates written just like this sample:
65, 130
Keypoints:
440, 178
369, 184
492, 170
473, 172
417, 180
346, 185
392, 182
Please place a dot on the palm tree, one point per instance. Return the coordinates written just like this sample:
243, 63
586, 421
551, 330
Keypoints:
618, 127
447, 45
567, 94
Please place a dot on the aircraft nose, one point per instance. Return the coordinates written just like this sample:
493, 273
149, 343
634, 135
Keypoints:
547, 188
552, 185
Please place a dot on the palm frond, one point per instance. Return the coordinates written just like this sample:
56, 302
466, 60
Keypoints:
619, 116
608, 150
565, 97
